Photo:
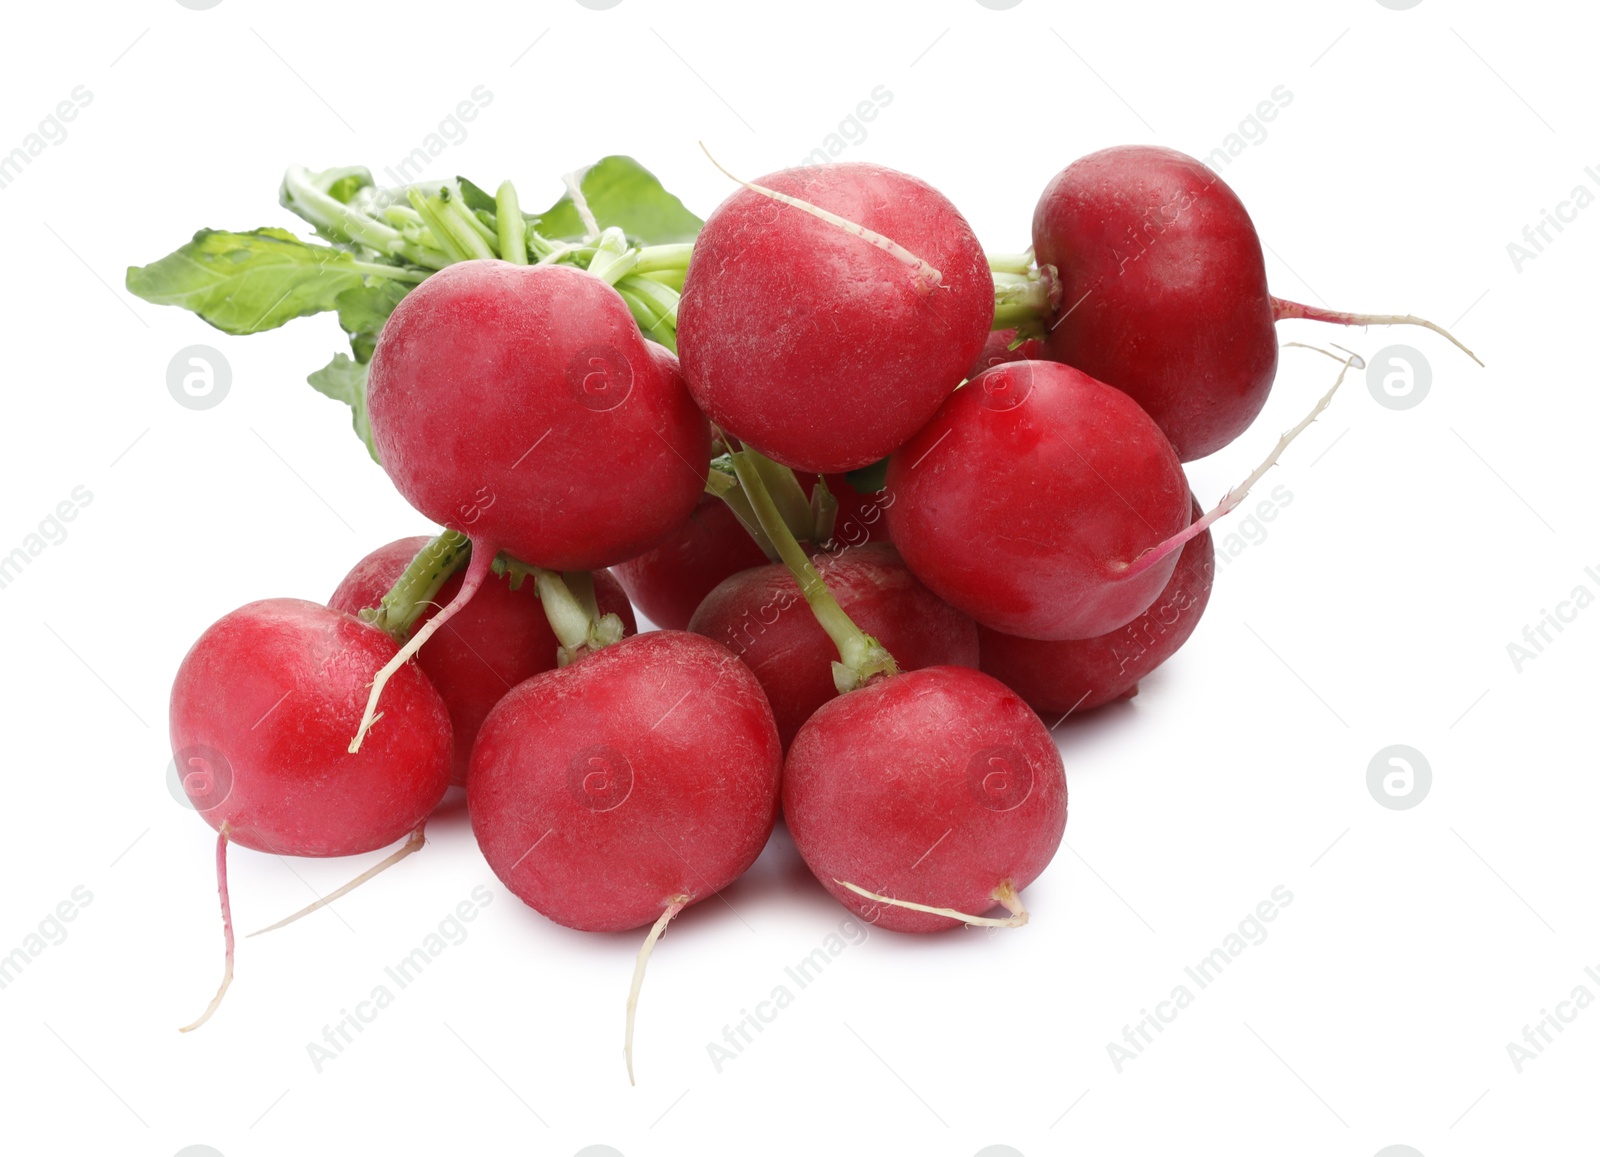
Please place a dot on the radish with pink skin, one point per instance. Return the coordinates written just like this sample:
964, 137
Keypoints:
828, 310
1028, 495
925, 799
521, 406
261, 714
1163, 291
670, 580
499, 639
613, 793
1003, 347
760, 616
1078, 675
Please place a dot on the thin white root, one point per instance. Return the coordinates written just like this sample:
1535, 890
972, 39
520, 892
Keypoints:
574, 183
924, 276
674, 906
1285, 310
1240, 492
413, 843
1005, 895
227, 931
477, 570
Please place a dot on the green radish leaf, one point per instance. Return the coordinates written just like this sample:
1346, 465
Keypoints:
345, 380
364, 308
622, 192
347, 186
249, 282
475, 197
869, 479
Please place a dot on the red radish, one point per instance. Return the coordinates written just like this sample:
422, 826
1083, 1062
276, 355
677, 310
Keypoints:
1027, 497
760, 616
925, 799
261, 711
1078, 675
828, 310
1003, 347
1163, 291
521, 406
669, 581
642, 778
499, 639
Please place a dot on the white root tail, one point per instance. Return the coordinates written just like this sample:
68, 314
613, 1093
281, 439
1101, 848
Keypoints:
1005, 895
413, 843
924, 276
477, 570
1282, 310
227, 931
1240, 492
674, 906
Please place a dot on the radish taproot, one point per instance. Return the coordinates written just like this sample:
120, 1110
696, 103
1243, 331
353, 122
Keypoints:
260, 717
828, 310
1070, 677
496, 641
611, 794
1163, 291
759, 615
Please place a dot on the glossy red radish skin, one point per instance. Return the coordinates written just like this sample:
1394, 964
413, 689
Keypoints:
815, 346
642, 775
669, 581
521, 406
935, 787
1027, 496
760, 616
262, 709
496, 641
1078, 675
1163, 290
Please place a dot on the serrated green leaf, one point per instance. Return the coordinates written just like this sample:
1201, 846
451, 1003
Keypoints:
622, 192
345, 380
248, 282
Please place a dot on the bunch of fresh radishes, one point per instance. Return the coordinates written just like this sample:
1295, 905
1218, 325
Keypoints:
888, 498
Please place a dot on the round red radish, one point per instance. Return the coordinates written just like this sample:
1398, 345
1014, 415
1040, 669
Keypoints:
760, 616
643, 776
938, 787
1078, 675
521, 406
1163, 290
820, 347
1030, 493
495, 642
998, 350
669, 581
262, 711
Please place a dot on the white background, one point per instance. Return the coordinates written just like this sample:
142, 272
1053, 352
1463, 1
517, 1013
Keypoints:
1377, 610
